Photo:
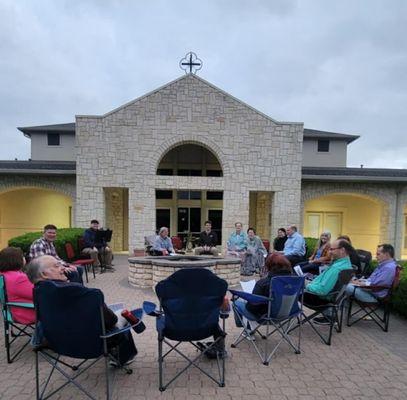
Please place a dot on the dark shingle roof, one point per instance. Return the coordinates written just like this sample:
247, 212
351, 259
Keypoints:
38, 167
354, 174
56, 128
315, 134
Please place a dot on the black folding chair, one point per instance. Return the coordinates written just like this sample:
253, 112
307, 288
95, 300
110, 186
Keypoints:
378, 310
335, 302
190, 304
365, 258
70, 322
13, 330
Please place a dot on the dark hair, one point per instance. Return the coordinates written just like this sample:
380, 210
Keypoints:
94, 221
11, 259
277, 262
345, 237
251, 229
49, 226
208, 222
344, 244
388, 249
283, 230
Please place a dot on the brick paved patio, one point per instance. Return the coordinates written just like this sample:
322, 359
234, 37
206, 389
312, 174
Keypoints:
362, 363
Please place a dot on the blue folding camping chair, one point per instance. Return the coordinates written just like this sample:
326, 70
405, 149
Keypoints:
70, 323
284, 308
13, 330
190, 308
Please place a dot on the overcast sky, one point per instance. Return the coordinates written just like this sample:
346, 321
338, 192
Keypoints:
337, 66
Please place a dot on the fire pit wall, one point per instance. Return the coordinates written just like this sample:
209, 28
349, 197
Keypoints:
146, 272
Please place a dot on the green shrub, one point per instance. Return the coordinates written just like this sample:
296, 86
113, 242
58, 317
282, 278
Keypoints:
311, 243
63, 235
399, 299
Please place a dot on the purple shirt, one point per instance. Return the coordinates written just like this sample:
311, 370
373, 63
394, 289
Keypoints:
383, 275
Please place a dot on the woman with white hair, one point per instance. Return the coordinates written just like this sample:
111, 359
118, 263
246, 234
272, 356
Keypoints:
163, 245
320, 256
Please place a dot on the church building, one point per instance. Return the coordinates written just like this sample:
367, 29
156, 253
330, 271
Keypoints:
188, 152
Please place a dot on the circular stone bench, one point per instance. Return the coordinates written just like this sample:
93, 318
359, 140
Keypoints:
148, 271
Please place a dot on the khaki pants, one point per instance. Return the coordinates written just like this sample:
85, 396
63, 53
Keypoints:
200, 250
104, 255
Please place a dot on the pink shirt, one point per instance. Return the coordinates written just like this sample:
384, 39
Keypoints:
20, 289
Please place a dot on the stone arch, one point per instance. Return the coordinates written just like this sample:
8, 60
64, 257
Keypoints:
187, 139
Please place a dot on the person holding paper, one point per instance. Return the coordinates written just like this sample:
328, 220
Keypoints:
276, 265
97, 249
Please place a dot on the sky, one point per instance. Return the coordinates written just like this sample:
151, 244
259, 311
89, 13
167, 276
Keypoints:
338, 66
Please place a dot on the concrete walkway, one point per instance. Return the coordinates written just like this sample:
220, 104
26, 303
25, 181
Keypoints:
362, 363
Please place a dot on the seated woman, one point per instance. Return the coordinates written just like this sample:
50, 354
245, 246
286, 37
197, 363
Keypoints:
18, 286
320, 256
237, 243
276, 265
279, 241
255, 254
48, 268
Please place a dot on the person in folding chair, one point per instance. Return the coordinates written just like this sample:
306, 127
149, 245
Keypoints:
276, 302
16, 299
191, 300
368, 293
73, 321
318, 292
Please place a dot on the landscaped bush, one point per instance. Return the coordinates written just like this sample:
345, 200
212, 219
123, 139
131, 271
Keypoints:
63, 235
311, 244
399, 300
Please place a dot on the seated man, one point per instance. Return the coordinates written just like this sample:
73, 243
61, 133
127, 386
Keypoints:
207, 241
163, 245
48, 268
383, 275
45, 246
294, 247
317, 291
97, 249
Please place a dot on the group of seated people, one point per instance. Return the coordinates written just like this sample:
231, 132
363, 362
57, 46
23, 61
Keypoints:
317, 291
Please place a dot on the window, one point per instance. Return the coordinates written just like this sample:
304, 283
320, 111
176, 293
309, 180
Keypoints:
214, 195
189, 195
162, 218
189, 172
213, 172
163, 194
53, 139
164, 171
323, 146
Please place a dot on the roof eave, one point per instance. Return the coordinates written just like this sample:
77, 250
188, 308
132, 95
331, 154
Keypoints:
349, 178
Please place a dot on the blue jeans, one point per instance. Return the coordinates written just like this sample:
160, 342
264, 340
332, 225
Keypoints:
360, 294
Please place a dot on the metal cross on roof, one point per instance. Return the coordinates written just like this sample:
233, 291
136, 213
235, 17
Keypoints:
191, 63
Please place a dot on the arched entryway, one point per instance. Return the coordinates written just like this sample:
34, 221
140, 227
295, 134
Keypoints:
180, 208
29, 209
358, 216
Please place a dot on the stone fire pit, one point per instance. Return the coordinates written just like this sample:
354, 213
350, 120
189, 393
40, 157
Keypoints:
148, 271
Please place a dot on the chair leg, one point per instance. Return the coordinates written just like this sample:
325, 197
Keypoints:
107, 377
7, 341
160, 364
37, 377
85, 267
349, 312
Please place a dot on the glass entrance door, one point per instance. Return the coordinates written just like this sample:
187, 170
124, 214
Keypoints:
189, 221
215, 216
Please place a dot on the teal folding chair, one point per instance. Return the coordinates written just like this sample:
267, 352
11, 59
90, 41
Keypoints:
12, 329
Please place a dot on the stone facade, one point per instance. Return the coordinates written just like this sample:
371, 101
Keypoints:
62, 184
256, 154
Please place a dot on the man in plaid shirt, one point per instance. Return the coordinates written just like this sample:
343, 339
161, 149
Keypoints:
45, 246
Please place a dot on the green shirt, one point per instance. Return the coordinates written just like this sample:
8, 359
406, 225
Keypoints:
325, 282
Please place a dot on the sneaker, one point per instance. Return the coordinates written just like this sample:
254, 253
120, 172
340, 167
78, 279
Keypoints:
322, 320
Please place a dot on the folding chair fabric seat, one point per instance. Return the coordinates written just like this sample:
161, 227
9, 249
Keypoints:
13, 330
70, 318
86, 262
335, 304
284, 308
190, 300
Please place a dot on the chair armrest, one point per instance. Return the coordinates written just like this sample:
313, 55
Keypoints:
22, 305
372, 287
250, 297
118, 331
